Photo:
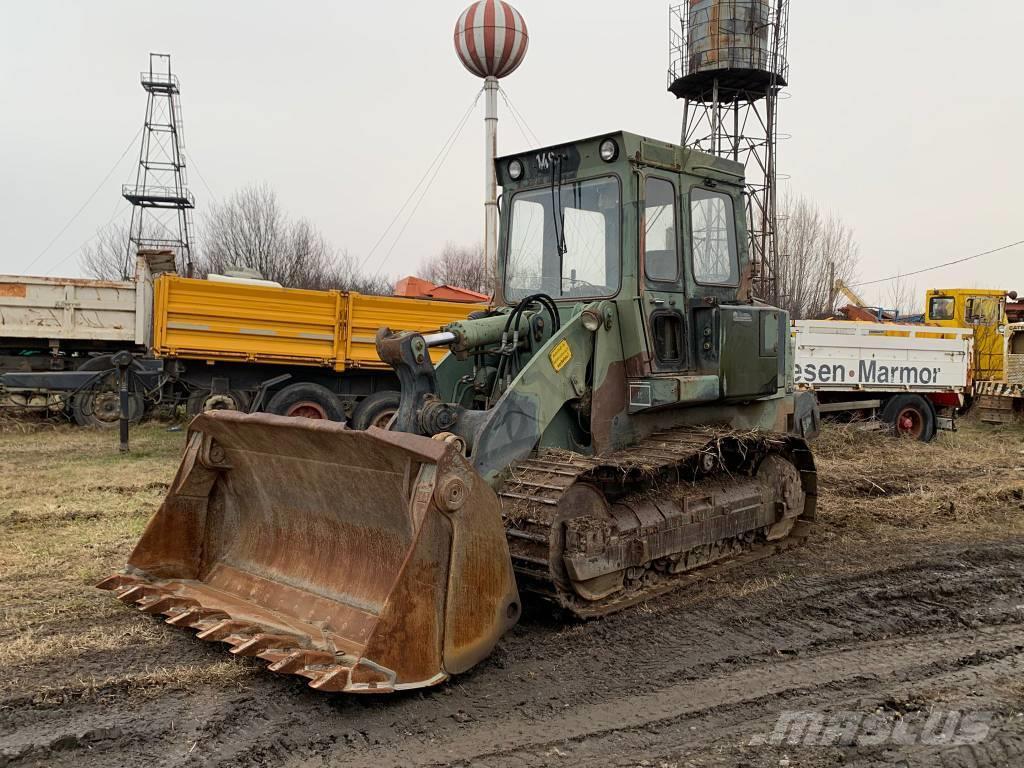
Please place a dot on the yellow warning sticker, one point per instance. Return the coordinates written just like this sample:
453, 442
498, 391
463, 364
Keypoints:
560, 355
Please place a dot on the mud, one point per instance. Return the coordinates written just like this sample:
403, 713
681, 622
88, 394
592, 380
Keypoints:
690, 681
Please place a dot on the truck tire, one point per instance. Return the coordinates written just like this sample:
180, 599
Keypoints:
100, 405
910, 416
306, 399
202, 400
375, 410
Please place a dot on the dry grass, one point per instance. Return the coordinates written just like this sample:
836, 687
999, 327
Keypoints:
71, 508
970, 481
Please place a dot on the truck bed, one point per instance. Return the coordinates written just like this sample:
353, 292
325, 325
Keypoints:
222, 321
40, 310
838, 356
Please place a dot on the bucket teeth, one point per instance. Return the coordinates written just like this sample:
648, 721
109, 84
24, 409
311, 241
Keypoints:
138, 592
119, 581
262, 642
334, 679
284, 653
196, 617
296, 661
166, 604
226, 628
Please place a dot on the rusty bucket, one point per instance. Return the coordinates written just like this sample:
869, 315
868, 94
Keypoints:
364, 561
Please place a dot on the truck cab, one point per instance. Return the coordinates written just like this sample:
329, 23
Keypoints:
980, 309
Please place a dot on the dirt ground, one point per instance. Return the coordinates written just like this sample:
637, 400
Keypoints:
904, 610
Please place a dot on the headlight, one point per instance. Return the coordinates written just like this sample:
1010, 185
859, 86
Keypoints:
609, 150
515, 170
591, 320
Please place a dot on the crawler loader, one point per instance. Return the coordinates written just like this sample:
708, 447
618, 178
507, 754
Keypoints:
623, 418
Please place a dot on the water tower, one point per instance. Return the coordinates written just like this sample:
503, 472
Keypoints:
727, 61
491, 41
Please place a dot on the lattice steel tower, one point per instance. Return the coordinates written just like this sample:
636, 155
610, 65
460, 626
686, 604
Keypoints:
161, 203
727, 61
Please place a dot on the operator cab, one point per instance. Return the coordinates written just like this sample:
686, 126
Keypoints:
659, 230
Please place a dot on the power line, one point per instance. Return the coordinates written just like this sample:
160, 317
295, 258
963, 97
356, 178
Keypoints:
940, 266
86, 203
192, 164
519, 125
517, 115
437, 169
122, 209
442, 151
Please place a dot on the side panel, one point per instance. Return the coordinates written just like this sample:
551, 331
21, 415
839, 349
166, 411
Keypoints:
369, 313
202, 319
227, 321
753, 342
841, 356
66, 309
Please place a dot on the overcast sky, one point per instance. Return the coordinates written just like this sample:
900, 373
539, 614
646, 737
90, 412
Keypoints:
903, 117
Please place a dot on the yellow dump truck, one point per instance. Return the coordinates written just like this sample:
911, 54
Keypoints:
233, 343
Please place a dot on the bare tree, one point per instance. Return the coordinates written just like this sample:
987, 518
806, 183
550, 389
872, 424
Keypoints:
250, 230
458, 265
815, 249
345, 275
103, 258
901, 295
106, 255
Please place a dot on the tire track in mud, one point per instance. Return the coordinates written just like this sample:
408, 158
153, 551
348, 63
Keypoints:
550, 682
658, 707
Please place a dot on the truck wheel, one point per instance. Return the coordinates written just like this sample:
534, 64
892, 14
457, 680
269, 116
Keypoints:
910, 416
100, 405
202, 400
375, 410
306, 399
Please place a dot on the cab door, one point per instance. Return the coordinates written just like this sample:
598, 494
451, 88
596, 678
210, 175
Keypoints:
663, 294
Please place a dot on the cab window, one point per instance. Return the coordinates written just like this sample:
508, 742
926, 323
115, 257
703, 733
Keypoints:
941, 308
982, 310
661, 255
713, 238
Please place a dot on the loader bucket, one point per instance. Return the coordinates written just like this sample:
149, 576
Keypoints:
364, 561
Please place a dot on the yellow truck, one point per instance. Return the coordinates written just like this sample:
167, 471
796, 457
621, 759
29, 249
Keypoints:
226, 343
984, 311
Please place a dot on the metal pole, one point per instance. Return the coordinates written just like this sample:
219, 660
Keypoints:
491, 181
686, 122
715, 139
123, 361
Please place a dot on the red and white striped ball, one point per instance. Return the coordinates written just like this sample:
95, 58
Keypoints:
491, 38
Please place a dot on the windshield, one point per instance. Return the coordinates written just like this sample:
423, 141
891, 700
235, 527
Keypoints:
564, 240
983, 310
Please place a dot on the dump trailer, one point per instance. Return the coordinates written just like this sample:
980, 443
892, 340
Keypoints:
221, 343
622, 419
915, 378
58, 336
244, 345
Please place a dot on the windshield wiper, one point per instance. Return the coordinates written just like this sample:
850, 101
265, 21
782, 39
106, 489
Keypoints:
557, 211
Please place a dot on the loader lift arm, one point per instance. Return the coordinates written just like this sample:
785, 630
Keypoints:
509, 430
